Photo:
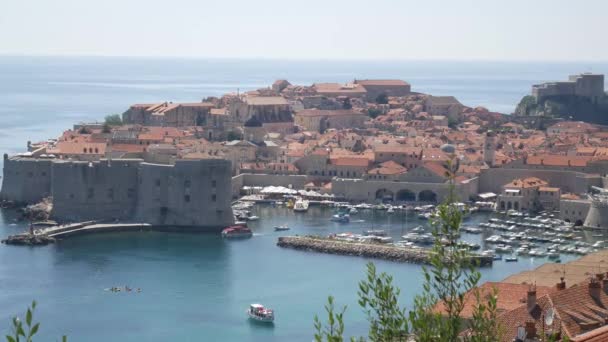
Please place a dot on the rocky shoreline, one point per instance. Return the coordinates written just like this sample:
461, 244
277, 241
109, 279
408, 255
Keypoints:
368, 250
28, 240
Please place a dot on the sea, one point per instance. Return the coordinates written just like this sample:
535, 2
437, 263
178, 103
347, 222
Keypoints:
196, 287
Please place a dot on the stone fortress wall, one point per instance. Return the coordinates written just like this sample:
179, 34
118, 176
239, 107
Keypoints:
97, 190
26, 180
585, 85
192, 193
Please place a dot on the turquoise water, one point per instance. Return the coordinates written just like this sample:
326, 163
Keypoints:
196, 287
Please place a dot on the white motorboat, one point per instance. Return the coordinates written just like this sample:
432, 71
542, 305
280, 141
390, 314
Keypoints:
281, 228
353, 211
301, 205
259, 313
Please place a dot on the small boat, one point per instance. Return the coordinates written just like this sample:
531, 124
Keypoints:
300, 206
252, 218
511, 259
237, 232
281, 228
353, 211
341, 218
390, 210
259, 313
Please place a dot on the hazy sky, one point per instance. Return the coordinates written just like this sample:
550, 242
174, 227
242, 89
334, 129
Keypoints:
311, 29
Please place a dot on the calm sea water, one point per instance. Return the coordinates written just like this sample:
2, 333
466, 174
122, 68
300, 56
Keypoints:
196, 287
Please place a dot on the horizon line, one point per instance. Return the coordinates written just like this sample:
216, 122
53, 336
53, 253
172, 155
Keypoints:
316, 59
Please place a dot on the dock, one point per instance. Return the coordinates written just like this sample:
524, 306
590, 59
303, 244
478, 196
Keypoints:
44, 236
367, 250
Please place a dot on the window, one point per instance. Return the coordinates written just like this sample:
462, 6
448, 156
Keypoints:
111, 193
187, 198
213, 183
130, 193
187, 183
90, 193
158, 182
43, 174
214, 197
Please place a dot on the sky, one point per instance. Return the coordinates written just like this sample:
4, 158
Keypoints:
541, 30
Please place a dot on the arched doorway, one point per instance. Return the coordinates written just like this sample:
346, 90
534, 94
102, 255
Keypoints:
384, 195
405, 195
427, 196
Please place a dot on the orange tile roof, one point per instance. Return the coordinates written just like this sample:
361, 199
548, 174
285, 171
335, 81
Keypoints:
349, 161
510, 297
525, 183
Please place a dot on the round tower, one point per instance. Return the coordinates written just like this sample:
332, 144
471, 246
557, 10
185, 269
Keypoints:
597, 217
489, 148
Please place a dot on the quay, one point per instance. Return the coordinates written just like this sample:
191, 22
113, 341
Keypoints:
40, 237
368, 250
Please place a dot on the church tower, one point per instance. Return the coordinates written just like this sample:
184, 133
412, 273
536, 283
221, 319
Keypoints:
489, 148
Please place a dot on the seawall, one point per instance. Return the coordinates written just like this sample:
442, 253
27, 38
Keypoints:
368, 250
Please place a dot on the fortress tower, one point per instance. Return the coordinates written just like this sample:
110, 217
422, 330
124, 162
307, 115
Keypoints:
489, 148
598, 212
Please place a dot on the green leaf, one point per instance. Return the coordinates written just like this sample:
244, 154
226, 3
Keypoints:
28, 317
10, 339
34, 329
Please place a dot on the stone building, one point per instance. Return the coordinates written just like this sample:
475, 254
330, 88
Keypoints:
168, 114
526, 195
337, 90
443, 105
375, 88
320, 120
265, 109
586, 85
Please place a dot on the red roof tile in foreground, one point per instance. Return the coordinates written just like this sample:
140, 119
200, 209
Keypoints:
509, 297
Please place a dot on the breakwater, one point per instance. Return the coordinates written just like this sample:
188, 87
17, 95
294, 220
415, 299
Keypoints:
368, 250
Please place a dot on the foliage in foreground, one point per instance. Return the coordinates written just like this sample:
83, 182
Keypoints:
450, 275
26, 332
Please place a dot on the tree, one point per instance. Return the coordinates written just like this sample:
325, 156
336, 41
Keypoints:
232, 135
346, 104
113, 120
382, 99
374, 112
28, 330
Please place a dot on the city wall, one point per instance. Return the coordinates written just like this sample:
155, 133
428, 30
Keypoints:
25, 180
99, 190
190, 193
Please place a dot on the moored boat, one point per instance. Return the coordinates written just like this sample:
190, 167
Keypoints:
281, 228
237, 232
300, 206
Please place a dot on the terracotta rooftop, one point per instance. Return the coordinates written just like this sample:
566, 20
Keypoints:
323, 112
525, 183
350, 161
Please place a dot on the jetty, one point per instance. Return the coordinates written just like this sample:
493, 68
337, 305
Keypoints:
44, 236
368, 250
